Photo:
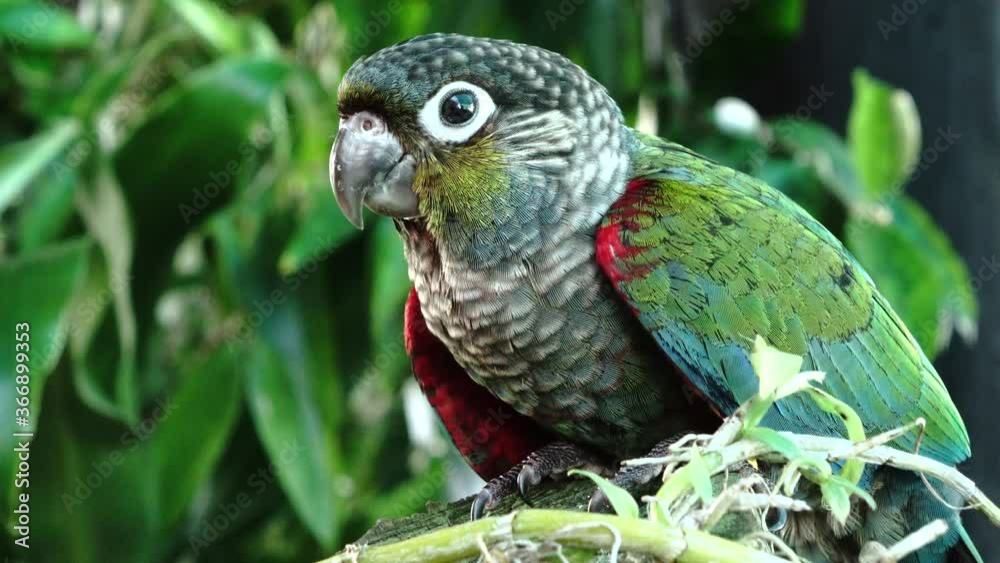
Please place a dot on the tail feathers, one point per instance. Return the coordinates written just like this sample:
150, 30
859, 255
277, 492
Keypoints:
964, 551
905, 504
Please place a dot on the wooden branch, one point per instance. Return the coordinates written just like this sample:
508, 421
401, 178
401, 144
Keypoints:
569, 494
444, 532
600, 532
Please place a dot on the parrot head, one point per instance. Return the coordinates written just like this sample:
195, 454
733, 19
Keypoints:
477, 136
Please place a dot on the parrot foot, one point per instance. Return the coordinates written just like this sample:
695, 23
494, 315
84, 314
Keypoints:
633, 477
552, 460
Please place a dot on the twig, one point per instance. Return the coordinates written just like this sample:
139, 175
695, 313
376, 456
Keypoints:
615, 546
729, 430
759, 501
775, 541
833, 449
484, 550
736, 498
873, 552
886, 455
876, 440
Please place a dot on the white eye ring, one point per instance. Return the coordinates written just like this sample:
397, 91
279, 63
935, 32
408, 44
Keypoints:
430, 115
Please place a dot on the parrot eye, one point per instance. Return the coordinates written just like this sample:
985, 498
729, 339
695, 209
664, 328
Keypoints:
456, 112
458, 108
776, 519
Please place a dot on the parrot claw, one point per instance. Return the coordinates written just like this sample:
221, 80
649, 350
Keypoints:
553, 460
599, 503
494, 491
527, 478
633, 478
483, 500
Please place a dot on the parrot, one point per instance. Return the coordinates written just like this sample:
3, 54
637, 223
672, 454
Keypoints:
584, 293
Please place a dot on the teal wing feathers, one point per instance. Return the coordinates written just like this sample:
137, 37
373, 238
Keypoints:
708, 258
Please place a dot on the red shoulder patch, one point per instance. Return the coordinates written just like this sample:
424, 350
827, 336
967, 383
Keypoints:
610, 243
489, 433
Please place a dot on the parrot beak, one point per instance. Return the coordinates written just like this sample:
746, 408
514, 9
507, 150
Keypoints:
369, 167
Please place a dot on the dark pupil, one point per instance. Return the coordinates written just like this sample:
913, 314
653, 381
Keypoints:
459, 108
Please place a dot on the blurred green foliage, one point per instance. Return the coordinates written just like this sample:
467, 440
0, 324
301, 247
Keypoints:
216, 355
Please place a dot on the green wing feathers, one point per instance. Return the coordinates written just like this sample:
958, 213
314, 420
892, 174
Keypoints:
708, 258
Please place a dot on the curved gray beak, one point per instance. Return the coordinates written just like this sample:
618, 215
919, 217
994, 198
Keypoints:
368, 167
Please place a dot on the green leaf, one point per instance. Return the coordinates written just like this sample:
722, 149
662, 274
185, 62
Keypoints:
321, 231
883, 132
294, 395
773, 367
174, 177
917, 269
219, 29
87, 471
41, 25
47, 210
189, 441
757, 408
92, 320
686, 478
801, 382
38, 289
820, 148
293, 419
838, 499
404, 500
854, 490
811, 465
197, 168
92, 470
323, 227
285, 329
111, 376
261, 39
837, 493
620, 499
605, 19
787, 15
130, 70
21, 162
701, 478
774, 440
390, 281
834, 406
853, 468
